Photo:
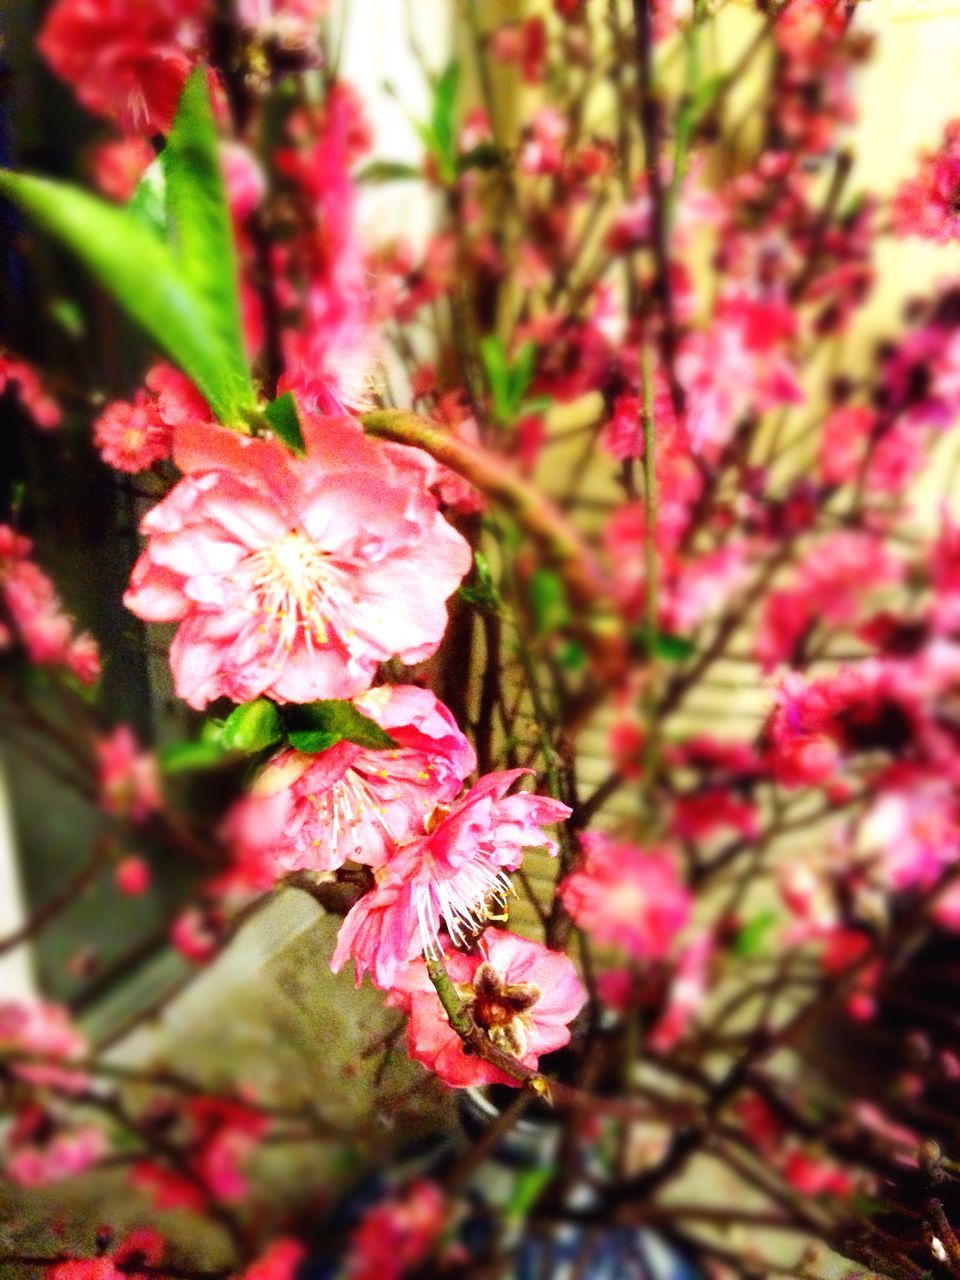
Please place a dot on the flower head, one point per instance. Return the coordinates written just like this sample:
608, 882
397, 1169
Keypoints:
295, 577
131, 435
520, 994
446, 879
628, 897
350, 802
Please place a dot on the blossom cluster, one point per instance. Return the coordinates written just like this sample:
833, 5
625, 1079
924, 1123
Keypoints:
626, 507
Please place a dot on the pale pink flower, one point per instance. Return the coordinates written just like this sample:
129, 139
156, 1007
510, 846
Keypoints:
398, 1234
295, 577
522, 995
626, 896
36, 1029
129, 778
351, 802
131, 435
446, 879
40, 1152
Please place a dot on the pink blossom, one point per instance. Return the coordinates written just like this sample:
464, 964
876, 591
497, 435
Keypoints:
686, 994
143, 1246
178, 401
221, 1137
349, 802
522, 995
626, 896
447, 878
523, 43
132, 875
813, 1176
398, 1234
279, 1261
928, 204
38, 1029
41, 1152
294, 577
740, 364
33, 395
38, 622
126, 61
119, 165
131, 435
829, 587
129, 779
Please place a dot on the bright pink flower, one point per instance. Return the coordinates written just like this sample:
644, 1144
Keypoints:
816, 1176
398, 1234
131, 435
125, 60
896, 454
221, 1137
829, 587
626, 896
143, 1247
447, 878
132, 876
41, 406
295, 577
129, 778
119, 165
928, 204
349, 802
178, 401
279, 1261
517, 991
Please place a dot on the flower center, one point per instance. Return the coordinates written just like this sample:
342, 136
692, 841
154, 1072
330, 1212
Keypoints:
294, 581
500, 1008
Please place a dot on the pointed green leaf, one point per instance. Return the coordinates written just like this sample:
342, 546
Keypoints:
319, 725
148, 204
284, 422
184, 756
443, 123
252, 727
200, 228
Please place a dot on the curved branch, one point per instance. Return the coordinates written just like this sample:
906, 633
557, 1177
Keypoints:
534, 511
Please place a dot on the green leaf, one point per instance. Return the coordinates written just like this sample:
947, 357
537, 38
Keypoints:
201, 229
252, 727
521, 374
68, 316
673, 648
443, 125
284, 422
750, 939
148, 204
483, 592
388, 171
526, 1190
316, 726
184, 294
548, 599
185, 756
